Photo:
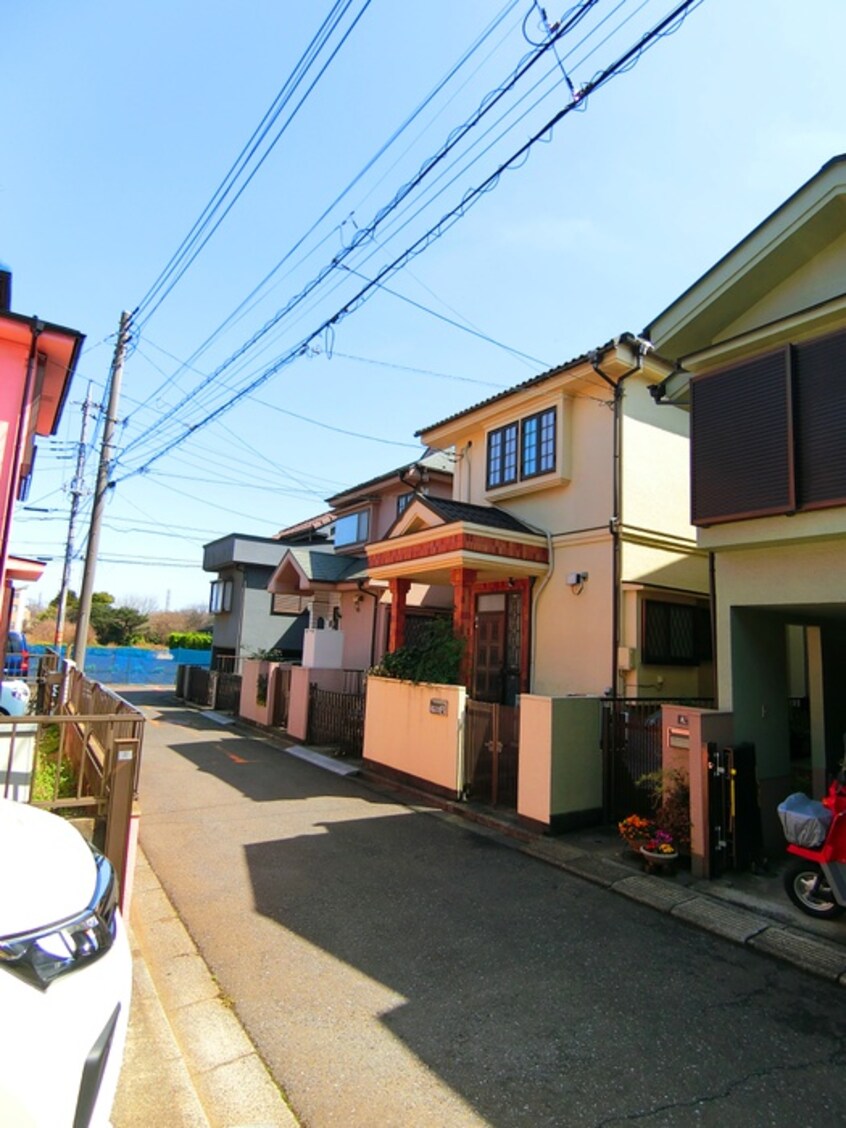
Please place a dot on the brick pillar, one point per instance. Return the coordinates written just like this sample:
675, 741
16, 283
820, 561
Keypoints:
399, 589
464, 616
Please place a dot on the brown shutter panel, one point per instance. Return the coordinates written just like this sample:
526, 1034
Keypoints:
820, 421
741, 441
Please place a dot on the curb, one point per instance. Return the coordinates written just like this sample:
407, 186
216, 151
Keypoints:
204, 1063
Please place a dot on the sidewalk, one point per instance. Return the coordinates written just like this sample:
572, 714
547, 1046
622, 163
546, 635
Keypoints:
189, 1062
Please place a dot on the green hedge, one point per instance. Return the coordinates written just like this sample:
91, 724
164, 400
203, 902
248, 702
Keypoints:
189, 640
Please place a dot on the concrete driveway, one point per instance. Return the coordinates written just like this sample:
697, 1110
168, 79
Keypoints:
395, 966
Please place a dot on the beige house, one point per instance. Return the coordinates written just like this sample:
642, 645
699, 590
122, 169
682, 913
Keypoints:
573, 570
759, 345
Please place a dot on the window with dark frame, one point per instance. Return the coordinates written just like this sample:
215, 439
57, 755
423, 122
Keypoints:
220, 597
502, 456
403, 502
675, 634
522, 450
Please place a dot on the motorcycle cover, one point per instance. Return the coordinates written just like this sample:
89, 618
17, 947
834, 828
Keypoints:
805, 821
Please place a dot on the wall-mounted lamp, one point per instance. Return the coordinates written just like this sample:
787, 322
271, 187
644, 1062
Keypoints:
357, 601
576, 580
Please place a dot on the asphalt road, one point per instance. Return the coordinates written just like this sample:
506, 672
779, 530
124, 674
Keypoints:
398, 967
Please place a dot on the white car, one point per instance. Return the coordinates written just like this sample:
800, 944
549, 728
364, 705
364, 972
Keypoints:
14, 697
65, 974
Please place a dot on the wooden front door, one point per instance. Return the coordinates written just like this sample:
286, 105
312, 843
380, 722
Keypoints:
490, 656
498, 649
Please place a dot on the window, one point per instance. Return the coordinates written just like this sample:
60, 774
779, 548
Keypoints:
538, 449
403, 502
282, 604
502, 456
220, 598
675, 634
525, 449
352, 529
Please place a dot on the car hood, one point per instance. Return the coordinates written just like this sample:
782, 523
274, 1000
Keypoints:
47, 871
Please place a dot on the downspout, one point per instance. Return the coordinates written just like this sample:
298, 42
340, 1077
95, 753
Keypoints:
615, 523
535, 598
375, 596
37, 329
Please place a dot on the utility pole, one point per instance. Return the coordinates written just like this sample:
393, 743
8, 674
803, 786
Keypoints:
106, 452
76, 491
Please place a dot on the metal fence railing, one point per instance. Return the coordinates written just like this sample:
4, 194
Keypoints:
78, 753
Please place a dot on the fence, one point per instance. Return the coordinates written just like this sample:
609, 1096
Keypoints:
631, 743
136, 665
81, 755
212, 689
336, 719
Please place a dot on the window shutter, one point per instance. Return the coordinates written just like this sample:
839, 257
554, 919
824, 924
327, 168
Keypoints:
820, 420
741, 441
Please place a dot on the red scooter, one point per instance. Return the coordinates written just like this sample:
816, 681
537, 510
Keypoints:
816, 833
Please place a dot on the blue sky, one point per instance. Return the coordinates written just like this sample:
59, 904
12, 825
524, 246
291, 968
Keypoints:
122, 120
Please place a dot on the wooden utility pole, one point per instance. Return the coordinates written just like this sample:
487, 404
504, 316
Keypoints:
103, 472
76, 491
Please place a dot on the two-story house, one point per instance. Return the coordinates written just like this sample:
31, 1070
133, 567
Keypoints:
567, 548
759, 348
246, 619
37, 363
350, 616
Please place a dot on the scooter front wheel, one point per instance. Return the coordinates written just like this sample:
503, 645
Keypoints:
807, 887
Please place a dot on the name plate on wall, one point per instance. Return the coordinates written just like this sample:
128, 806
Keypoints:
438, 706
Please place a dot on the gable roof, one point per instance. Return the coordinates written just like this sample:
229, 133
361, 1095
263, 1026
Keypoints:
624, 338
803, 225
487, 515
316, 566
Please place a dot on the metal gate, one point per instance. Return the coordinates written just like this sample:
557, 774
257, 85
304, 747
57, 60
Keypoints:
735, 838
336, 719
491, 753
631, 746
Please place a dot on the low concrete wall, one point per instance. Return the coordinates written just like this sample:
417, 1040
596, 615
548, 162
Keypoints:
560, 780
250, 708
417, 730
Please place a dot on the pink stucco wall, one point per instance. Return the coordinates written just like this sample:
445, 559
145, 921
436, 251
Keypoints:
402, 732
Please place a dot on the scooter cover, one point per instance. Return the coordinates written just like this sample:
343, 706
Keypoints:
805, 821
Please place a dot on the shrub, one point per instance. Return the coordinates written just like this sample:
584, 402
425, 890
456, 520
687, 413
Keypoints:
189, 640
670, 795
434, 657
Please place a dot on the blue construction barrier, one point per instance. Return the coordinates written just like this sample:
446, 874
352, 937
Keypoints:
136, 665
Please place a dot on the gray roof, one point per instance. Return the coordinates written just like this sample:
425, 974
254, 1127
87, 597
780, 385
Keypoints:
557, 370
326, 568
487, 515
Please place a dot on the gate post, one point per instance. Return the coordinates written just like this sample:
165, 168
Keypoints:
117, 846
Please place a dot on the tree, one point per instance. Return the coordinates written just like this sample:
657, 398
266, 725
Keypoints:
120, 626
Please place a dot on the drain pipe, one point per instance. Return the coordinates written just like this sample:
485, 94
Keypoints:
375, 596
615, 522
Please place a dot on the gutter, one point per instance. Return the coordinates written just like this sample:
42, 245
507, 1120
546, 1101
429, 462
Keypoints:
616, 521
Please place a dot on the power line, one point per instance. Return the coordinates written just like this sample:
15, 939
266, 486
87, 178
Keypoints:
624, 62
364, 234
244, 306
190, 248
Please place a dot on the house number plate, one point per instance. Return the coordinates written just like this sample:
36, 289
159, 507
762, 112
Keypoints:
438, 706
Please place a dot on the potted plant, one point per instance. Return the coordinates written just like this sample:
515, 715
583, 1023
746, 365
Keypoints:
636, 831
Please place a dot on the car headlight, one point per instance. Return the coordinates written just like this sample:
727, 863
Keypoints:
42, 955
